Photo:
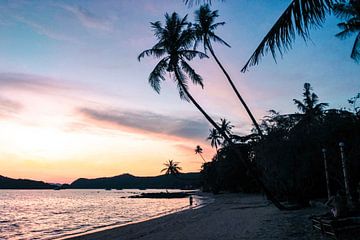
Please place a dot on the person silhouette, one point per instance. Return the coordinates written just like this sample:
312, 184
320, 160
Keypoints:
337, 204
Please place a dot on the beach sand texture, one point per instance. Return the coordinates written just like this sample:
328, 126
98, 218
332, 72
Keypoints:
230, 216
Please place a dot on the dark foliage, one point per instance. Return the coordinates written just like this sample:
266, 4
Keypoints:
226, 172
290, 154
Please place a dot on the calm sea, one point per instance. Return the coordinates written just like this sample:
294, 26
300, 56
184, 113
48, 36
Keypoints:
49, 214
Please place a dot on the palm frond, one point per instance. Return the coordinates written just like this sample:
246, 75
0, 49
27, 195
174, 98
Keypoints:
345, 33
355, 53
217, 39
343, 10
320, 107
190, 54
157, 75
156, 52
215, 25
298, 17
190, 3
300, 105
196, 78
157, 29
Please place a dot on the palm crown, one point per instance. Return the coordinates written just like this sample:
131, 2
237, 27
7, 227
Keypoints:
199, 150
174, 42
215, 138
350, 12
310, 106
171, 168
205, 27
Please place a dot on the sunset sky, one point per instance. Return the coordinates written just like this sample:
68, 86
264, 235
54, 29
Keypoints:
75, 102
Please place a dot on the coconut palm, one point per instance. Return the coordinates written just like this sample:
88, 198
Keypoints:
310, 107
215, 138
172, 168
350, 12
205, 27
199, 150
173, 47
226, 126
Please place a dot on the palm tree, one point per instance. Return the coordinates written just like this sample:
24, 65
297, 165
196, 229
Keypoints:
309, 106
172, 168
226, 126
199, 150
350, 12
204, 30
173, 47
215, 138
297, 19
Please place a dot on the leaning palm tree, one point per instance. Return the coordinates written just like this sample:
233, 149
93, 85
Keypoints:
199, 150
174, 42
204, 29
350, 12
172, 168
297, 19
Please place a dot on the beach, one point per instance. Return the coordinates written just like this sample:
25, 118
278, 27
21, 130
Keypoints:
229, 216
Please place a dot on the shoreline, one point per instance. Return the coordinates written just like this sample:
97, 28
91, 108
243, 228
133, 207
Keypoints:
200, 198
229, 216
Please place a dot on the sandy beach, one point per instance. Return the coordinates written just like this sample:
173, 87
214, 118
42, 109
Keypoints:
230, 216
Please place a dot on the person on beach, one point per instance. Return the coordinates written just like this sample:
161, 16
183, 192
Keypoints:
191, 200
337, 204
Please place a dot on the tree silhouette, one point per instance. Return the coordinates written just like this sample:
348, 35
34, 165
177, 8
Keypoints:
310, 107
174, 42
172, 168
215, 138
350, 12
199, 150
204, 29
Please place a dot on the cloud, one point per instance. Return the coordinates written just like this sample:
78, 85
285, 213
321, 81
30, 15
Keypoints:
43, 30
88, 19
149, 122
9, 107
29, 82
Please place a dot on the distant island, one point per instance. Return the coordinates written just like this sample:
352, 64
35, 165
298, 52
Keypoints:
10, 183
123, 181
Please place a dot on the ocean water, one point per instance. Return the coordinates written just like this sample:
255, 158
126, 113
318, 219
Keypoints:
49, 214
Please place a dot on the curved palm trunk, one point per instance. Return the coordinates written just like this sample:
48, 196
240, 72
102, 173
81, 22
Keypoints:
234, 88
246, 162
202, 157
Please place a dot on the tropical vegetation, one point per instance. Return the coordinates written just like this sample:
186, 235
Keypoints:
289, 156
175, 39
283, 159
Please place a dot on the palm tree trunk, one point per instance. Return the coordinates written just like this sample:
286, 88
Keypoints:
202, 157
246, 162
235, 90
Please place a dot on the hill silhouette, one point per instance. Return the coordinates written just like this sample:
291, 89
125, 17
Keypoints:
10, 183
123, 181
128, 181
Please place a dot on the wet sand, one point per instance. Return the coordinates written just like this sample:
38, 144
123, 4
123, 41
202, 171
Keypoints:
230, 216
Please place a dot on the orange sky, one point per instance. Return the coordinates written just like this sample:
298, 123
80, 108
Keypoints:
49, 138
